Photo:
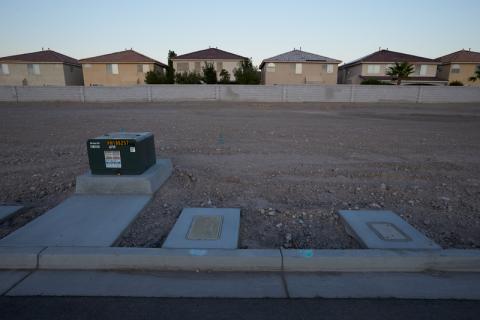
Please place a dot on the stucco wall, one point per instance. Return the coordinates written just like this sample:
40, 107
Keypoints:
228, 65
467, 70
73, 75
51, 74
311, 73
96, 74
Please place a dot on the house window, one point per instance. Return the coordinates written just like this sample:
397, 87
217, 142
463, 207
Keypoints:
87, 65
197, 66
455, 68
423, 69
219, 66
112, 68
143, 68
373, 69
298, 68
4, 69
270, 67
329, 68
182, 66
33, 68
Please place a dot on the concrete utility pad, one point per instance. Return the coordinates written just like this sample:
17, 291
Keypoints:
146, 183
376, 229
159, 284
81, 220
205, 228
7, 211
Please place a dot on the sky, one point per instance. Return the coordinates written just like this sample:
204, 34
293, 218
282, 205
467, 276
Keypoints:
341, 29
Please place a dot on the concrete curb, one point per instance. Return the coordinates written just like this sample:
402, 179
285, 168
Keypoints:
288, 260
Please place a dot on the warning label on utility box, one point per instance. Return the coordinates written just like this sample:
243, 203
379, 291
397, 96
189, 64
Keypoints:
112, 159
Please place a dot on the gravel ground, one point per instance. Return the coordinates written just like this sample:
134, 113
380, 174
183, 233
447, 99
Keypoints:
289, 167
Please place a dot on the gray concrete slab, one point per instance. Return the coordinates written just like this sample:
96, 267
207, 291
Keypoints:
146, 183
19, 257
384, 285
378, 229
205, 228
178, 284
7, 211
81, 220
86, 258
9, 278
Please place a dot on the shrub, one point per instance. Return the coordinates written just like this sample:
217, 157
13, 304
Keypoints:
375, 82
170, 70
188, 78
456, 83
154, 77
247, 73
209, 73
224, 76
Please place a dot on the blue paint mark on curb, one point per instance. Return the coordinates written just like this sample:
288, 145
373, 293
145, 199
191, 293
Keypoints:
307, 253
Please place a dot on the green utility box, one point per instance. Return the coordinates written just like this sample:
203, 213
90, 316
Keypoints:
121, 153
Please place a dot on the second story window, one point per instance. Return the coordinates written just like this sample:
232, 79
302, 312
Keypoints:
112, 68
373, 69
33, 68
455, 68
182, 66
270, 67
329, 68
4, 69
298, 68
219, 66
143, 68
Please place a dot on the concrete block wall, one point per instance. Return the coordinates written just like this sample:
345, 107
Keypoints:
258, 93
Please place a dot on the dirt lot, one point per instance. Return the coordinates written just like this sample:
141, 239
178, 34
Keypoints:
289, 167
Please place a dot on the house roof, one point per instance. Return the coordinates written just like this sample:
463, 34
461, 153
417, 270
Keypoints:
460, 56
299, 56
126, 56
209, 54
389, 56
44, 56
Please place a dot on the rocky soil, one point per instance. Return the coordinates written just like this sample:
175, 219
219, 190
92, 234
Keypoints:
289, 167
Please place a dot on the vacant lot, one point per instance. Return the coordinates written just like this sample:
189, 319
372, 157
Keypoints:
289, 167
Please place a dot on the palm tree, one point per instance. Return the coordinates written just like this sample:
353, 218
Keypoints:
400, 71
476, 75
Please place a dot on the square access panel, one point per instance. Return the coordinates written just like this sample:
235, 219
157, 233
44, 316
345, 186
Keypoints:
205, 228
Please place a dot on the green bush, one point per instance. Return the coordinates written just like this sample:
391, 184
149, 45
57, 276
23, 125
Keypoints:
170, 70
155, 77
224, 76
209, 73
456, 83
188, 78
375, 82
247, 73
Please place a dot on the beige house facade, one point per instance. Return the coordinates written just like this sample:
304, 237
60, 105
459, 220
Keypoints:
124, 68
196, 61
299, 67
376, 65
42, 68
459, 66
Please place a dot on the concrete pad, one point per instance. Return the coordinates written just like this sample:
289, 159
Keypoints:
9, 278
376, 229
384, 285
19, 257
7, 211
205, 228
378, 260
146, 183
85, 258
169, 284
81, 220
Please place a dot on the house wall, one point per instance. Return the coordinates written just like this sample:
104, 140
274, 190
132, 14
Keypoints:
351, 75
312, 73
431, 70
96, 74
467, 70
51, 74
228, 65
73, 75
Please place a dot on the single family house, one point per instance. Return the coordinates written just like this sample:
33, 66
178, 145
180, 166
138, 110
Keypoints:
459, 66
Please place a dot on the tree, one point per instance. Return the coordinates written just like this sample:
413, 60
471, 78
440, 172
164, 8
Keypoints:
400, 71
476, 75
170, 70
224, 76
188, 78
155, 77
209, 73
247, 73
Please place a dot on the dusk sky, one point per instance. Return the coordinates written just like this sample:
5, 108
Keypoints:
344, 30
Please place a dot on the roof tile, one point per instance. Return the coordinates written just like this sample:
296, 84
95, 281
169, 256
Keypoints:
45, 56
299, 56
210, 53
460, 56
126, 56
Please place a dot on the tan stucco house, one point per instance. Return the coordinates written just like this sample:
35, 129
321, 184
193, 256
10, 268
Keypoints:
459, 66
195, 61
41, 68
299, 67
376, 65
124, 68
